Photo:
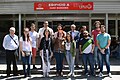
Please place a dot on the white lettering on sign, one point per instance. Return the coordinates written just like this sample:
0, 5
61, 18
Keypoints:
88, 6
59, 4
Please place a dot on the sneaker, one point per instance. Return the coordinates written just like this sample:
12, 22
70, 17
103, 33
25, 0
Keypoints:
47, 74
110, 75
86, 74
73, 75
70, 74
100, 74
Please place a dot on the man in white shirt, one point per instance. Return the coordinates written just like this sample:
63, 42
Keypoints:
41, 31
34, 35
10, 44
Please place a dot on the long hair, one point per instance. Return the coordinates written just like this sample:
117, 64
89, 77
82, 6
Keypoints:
45, 31
70, 37
28, 36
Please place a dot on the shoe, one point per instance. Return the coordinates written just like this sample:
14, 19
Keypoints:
57, 74
34, 67
77, 67
86, 74
70, 74
44, 75
73, 75
8, 75
61, 74
110, 75
47, 74
15, 75
100, 74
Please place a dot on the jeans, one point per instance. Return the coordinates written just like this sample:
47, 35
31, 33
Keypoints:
70, 61
96, 59
104, 57
10, 58
77, 57
59, 61
26, 60
88, 58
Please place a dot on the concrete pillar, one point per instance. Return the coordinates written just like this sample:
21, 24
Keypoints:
90, 23
106, 21
19, 33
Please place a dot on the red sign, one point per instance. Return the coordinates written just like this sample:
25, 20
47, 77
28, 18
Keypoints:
63, 6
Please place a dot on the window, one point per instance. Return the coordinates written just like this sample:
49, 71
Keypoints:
111, 27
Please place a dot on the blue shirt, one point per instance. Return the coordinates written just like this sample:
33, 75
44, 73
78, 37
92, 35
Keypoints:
103, 39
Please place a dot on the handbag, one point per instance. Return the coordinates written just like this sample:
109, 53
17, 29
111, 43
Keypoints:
17, 50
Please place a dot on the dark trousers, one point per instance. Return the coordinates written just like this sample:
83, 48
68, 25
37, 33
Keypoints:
10, 58
88, 58
59, 61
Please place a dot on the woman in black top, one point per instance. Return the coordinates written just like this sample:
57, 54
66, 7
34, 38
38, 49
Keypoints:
46, 53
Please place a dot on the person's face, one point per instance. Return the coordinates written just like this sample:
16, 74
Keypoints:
68, 37
45, 24
33, 27
72, 28
26, 31
102, 29
97, 25
59, 28
47, 33
12, 32
85, 34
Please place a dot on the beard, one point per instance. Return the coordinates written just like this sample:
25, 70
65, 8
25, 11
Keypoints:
85, 36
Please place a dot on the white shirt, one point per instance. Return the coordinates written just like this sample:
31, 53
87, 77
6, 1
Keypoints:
34, 35
26, 45
9, 44
67, 46
41, 31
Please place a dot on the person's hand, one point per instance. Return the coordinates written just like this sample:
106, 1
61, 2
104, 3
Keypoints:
23, 54
92, 51
102, 51
74, 57
40, 52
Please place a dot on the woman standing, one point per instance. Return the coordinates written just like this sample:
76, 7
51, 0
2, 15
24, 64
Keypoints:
46, 53
59, 51
26, 49
70, 47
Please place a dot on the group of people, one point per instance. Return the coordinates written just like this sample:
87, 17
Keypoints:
94, 48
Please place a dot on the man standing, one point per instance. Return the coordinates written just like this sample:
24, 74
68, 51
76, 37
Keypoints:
75, 36
94, 35
41, 35
34, 35
103, 43
86, 49
10, 44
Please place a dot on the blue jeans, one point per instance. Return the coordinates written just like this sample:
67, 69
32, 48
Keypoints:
59, 61
88, 58
104, 57
26, 60
70, 61
96, 59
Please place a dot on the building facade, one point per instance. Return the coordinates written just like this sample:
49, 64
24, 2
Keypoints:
21, 13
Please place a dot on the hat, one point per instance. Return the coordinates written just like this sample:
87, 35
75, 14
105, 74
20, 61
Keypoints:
12, 28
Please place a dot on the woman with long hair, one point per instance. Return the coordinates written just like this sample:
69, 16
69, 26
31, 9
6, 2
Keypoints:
59, 52
46, 52
70, 47
26, 49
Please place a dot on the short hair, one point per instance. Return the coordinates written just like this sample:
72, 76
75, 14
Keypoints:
102, 26
97, 22
73, 25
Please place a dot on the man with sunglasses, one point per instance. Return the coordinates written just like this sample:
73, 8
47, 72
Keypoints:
86, 49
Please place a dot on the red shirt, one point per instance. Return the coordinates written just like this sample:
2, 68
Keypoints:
95, 33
